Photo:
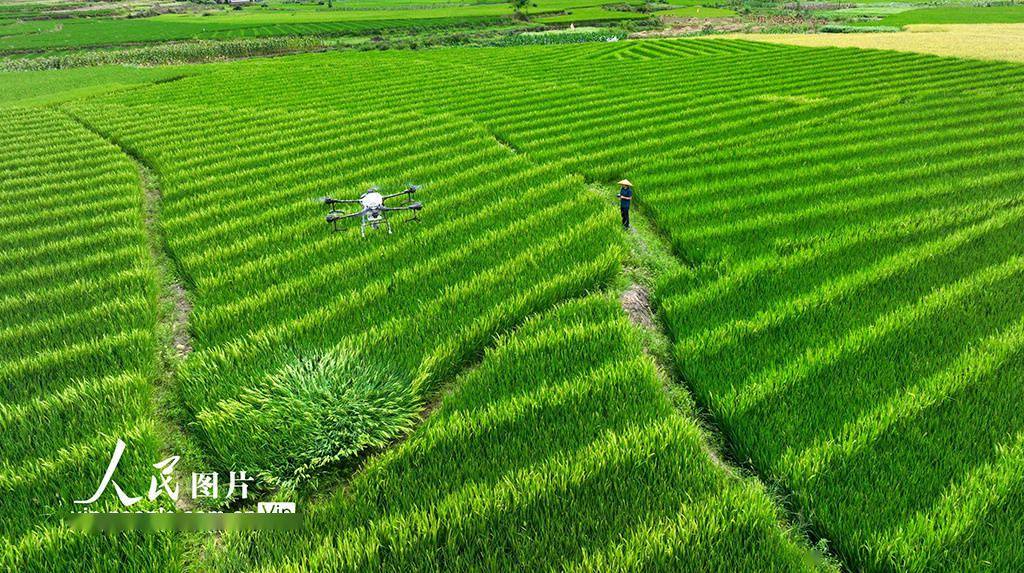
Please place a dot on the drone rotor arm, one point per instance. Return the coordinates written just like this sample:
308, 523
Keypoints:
332, 201
336, 216
413, 207
409, 190
393, 195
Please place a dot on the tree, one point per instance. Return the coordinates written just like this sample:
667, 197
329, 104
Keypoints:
519, 7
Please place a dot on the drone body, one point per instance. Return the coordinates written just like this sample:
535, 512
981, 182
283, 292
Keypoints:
372, 211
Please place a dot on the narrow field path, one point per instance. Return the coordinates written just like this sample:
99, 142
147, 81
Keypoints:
174, 301
651, 256
173, 311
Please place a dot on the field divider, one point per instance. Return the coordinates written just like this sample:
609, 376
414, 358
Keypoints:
171, 328
652, 257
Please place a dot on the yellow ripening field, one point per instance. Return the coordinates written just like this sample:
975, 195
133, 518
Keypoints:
980, 41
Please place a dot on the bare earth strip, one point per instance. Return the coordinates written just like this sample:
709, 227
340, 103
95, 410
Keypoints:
979, 41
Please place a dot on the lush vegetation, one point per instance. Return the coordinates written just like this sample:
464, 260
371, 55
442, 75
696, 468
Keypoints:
318, 411
83, 33
578, 462
695, 12
170, 53
591, 14
957, 15
78, 305
831, 291
351, 18
269, 282
848, 313
39, 87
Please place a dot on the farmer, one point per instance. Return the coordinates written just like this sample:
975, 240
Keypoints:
625, 198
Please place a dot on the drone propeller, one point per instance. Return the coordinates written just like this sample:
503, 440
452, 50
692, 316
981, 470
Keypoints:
409, 190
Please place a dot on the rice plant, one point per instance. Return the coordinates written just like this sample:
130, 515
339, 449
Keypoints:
847, 312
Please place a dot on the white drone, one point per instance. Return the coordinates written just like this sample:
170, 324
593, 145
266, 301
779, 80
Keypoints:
372, 210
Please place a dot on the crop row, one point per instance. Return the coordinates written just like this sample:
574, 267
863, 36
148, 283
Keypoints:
77, 341
577, 462
796, 357
855, 213
906, 348
852, 322
269, 281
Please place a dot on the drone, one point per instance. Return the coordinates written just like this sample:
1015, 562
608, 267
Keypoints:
372, 210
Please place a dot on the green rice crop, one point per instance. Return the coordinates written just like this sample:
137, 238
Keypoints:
270, 282
317, 411
171, 53
696, 12
577, 462
957, 15
848, 315
77, 343
64, 34
852, 241
31, 88
591, 14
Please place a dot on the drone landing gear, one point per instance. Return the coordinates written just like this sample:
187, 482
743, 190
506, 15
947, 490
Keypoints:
415, 212
375, 224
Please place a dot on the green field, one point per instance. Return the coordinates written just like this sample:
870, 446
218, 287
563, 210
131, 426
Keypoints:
842, 302
591, 14
85, 33
54, 85
957, 15
579, 461
78, 341
365, 17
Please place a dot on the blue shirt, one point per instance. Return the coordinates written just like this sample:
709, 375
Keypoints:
623, 193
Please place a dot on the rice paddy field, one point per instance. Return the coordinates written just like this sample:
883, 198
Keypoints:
1010, 14
836, 383
41, 32
40, 35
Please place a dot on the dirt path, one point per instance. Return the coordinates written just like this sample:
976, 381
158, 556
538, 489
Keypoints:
176, 307
636, 301
652, 256
174, 341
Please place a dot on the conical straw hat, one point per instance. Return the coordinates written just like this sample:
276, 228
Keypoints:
626, 183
